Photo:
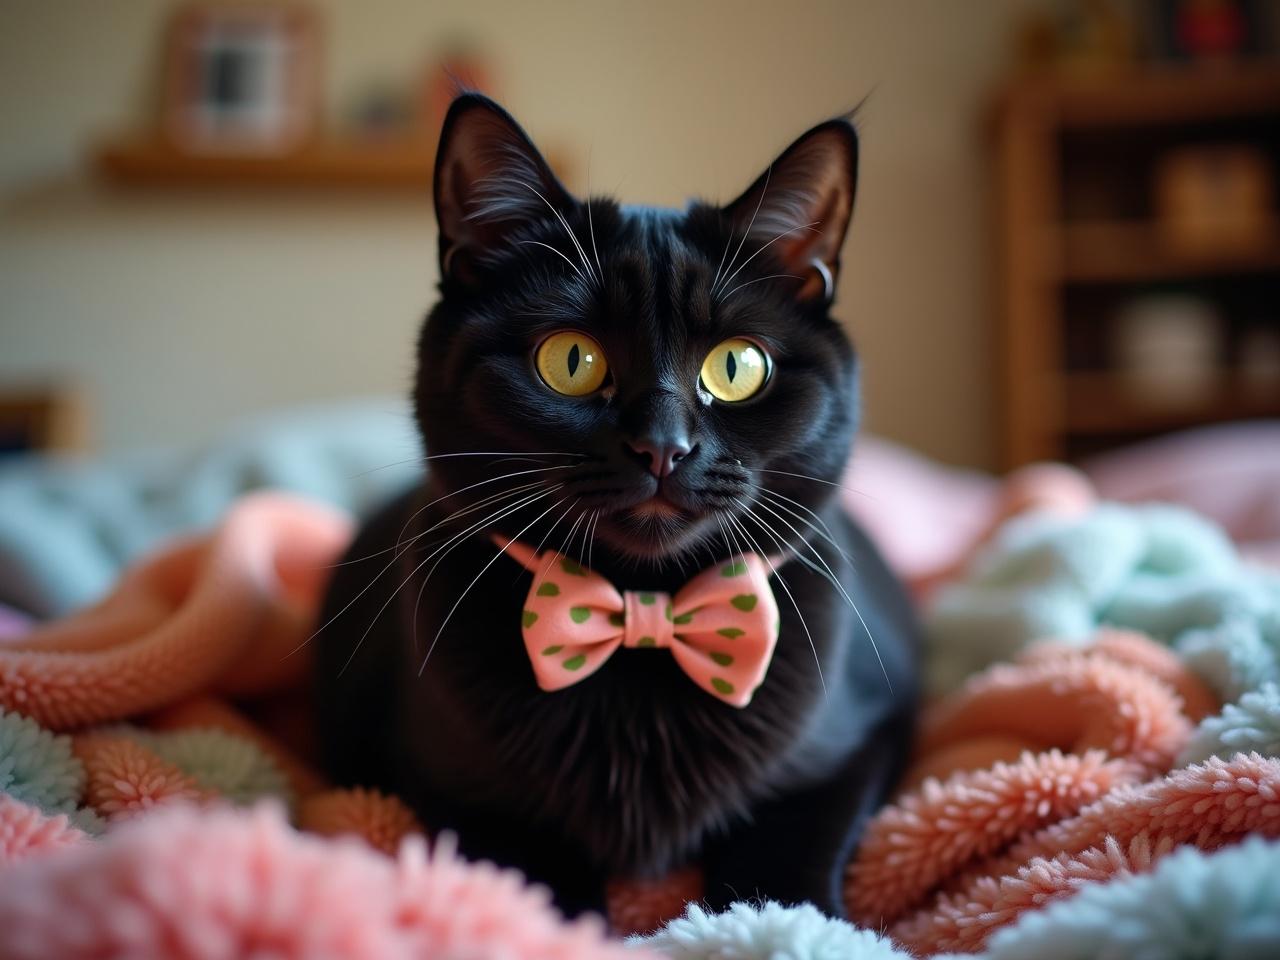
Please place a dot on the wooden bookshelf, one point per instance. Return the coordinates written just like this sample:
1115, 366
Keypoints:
1121, 252
1100, 404
1079, 237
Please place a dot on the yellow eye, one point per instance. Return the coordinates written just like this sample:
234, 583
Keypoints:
735, 370
571, 363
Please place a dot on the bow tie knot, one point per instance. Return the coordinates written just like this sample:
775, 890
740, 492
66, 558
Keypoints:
648, 620
720, 627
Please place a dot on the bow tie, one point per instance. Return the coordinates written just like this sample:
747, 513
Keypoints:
720, 627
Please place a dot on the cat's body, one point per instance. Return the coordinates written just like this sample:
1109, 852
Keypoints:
645, 479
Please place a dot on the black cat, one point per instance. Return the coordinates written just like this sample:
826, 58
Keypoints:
650, 392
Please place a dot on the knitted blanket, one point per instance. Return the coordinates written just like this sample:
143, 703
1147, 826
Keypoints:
134, 735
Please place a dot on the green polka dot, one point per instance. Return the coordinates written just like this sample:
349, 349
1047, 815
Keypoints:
735, 569
667, 612
647, 599
683, 618
552, 650
617, 619
572, 567
777, 628
733, 633
746, 602
579, 614
721, 685
528, 618
724, 659
646, 642
575, 663
548, 589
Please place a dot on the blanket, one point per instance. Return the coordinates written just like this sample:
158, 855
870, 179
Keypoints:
158, 798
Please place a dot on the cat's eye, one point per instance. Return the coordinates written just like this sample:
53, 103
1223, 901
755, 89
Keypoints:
735, 370
571, 363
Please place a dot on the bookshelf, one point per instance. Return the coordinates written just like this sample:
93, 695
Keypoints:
1080, 236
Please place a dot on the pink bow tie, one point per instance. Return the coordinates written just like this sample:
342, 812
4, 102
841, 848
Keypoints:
721, 626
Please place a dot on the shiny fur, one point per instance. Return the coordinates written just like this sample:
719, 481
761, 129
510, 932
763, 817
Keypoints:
634, 770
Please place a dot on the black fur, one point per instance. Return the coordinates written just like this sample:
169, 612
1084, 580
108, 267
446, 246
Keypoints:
634, 770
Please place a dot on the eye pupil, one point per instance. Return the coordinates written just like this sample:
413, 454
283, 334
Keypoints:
575, 357
730, 365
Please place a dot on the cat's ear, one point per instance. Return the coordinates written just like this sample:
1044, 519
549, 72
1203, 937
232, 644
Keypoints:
801, 206
489, 179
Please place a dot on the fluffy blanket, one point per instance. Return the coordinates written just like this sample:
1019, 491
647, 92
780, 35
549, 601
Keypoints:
145, 718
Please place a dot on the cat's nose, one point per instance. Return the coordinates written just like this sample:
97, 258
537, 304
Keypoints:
660, 457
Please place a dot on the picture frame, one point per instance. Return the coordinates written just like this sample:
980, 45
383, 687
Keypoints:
241, 77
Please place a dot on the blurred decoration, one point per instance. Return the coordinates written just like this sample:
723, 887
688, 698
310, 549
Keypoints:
40, 420
381, 110
1167, 349
1207, 29
242, 77
1215, 198
1083, 36
1091, 36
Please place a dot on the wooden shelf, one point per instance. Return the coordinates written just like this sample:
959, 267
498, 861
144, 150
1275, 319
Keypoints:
378, 164
1136, 252
1101, 403
1147, 96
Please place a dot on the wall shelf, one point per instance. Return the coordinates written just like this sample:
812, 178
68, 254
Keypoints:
147, 161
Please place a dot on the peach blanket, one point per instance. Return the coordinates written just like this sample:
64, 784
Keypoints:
1034, 778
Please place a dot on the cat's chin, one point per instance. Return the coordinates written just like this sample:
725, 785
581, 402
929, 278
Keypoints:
654, 529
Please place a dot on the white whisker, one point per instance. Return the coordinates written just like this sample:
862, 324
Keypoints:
458, 602
746, 233
785, 233
772, 276
572, 265
783, 583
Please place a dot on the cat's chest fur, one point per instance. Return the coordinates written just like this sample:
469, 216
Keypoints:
635, 766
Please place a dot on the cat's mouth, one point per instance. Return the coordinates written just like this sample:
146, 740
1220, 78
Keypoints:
658, 506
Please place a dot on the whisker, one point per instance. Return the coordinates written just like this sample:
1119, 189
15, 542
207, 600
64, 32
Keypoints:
591, 226
564, 546
567, 229
502, 512
764, 247
572, 265
479, 483
812, 646
805, 476
772, 276
824, 533
405, 544
499, 453
591, 543
839, 586
502, 550
746, 233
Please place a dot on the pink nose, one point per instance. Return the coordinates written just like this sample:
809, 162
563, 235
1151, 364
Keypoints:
660, 459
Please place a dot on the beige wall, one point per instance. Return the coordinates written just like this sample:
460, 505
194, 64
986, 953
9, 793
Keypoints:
180, 313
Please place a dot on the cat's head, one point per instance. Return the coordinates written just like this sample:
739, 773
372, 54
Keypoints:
662, 379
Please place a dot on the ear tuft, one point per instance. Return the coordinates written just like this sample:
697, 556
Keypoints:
489, 179
800, 208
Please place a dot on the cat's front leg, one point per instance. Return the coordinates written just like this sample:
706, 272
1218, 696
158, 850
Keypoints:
795, 848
